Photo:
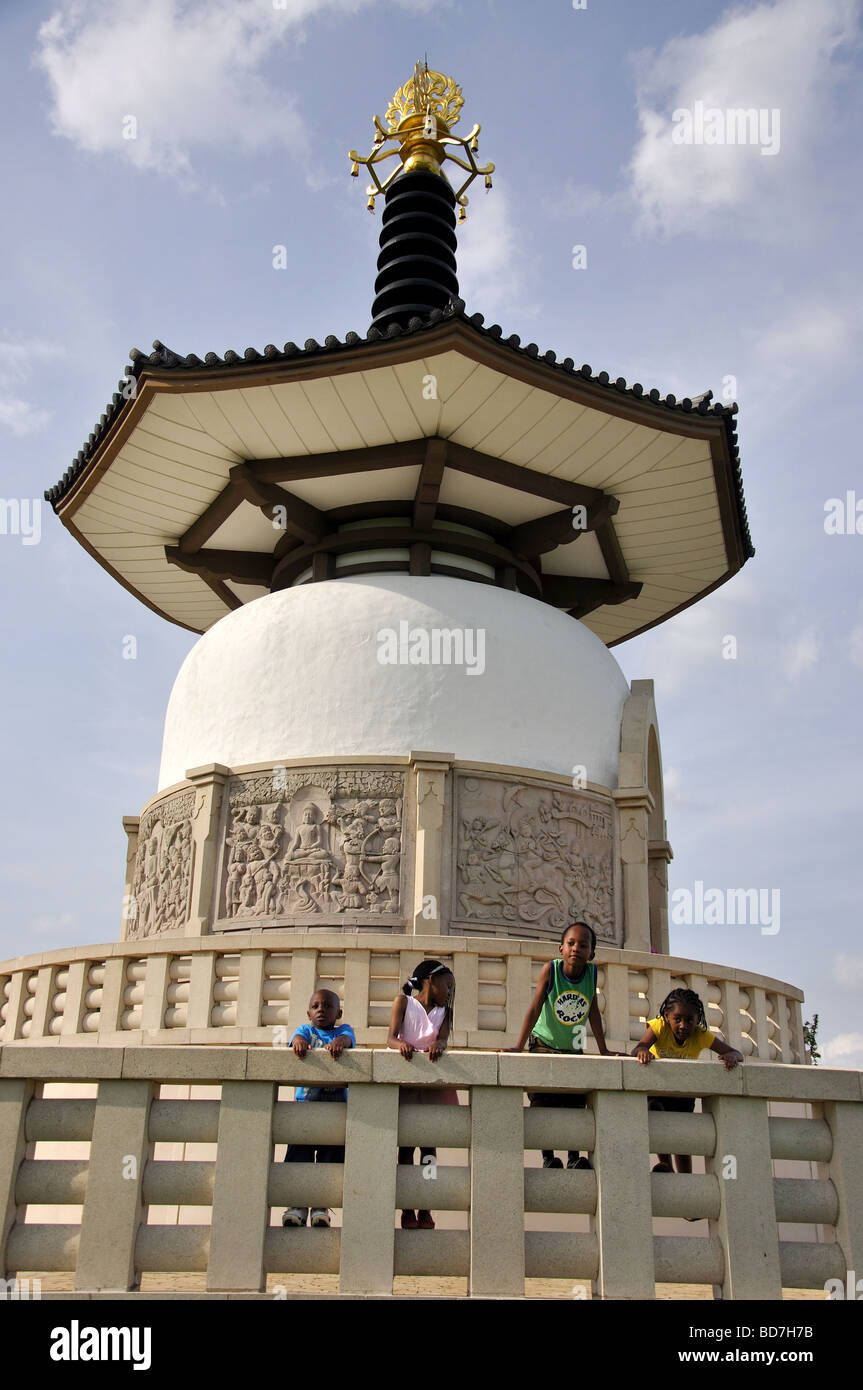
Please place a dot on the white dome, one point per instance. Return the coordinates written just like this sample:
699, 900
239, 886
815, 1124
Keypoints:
302, 674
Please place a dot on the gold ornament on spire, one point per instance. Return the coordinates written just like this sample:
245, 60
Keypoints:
418, 132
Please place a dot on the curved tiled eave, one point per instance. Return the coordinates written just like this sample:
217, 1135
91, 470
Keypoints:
164, 457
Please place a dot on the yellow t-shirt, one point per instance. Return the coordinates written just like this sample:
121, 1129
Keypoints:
666, 1044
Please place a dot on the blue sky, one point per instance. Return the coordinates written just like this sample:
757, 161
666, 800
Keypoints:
704, 262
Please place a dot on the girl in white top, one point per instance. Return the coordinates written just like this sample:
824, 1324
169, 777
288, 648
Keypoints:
420, 1022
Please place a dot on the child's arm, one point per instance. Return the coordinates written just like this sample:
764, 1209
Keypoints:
397, 1018
594, 1018
730, 1056
300, 1042
642, 1049
534, 1010
338, 1045
438, 1047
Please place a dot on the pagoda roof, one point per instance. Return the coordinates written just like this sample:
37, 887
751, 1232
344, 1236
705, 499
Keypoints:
174, 491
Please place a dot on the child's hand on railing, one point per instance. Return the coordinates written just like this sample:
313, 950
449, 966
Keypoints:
436, 1050
300, 1046
406, 1050
644, 1055
336, 1047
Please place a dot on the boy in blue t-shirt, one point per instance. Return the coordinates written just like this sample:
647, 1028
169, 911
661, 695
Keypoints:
322, 1030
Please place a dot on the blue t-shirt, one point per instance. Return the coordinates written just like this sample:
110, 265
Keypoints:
319, 1037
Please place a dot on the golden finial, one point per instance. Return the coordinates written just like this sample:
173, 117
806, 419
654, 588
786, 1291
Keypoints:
418, 131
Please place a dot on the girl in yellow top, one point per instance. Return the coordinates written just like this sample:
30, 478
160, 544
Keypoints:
680, 1030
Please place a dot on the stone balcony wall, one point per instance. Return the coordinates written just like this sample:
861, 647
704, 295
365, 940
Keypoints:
253, 987
116, 1185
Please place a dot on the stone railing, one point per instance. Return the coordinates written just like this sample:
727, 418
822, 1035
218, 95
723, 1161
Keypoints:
225, 989
236, 1192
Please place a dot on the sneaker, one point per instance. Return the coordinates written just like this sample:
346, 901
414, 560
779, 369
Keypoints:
577, 1161
295, 1216
409, 1220
551, 1161
320, 1216
425, 1220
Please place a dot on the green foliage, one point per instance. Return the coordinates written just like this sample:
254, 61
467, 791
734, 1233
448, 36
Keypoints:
810, 1039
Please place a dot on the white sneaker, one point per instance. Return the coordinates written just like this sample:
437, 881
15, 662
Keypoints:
296, 1216
320, 1216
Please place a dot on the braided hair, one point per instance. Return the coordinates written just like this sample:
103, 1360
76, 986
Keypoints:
690, 1000
424, 970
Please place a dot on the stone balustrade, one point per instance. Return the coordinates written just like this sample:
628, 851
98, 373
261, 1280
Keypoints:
236, 1193
239, 989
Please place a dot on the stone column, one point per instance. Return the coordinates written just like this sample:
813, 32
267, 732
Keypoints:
659, 856
497, 1191
747, 1212
431, 772
209, 783
623, 1222
633, 810
113, 1204
131, 825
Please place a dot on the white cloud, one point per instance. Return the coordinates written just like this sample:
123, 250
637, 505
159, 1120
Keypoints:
489, 256
19, 362
683, 650
855, 646
801, 655
190, 75
807, 338
848, 972
845, 1050
773, 56
49, 924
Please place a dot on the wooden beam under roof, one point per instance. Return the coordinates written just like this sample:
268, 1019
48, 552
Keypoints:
244, 567
558, 528
581, 595
513, 475
429, 483
301, 519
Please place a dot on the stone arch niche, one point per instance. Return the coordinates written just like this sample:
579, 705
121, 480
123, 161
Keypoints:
644, 849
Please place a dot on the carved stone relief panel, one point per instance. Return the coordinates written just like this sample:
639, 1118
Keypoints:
530, 858
314, 842
162, 876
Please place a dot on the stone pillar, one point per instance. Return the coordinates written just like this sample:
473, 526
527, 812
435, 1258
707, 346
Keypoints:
747, 1212
845, 1119
659, 856
633, 810
497, 1191
623, 1220
209, 783
240, 1206
15, 1096
131, 825
368, 1237
113, 1203
431, 772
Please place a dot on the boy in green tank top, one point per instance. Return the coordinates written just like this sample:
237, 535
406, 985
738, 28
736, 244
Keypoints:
564, 1003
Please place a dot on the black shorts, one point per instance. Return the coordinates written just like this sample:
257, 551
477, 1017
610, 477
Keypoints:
554, 1100
679, 1103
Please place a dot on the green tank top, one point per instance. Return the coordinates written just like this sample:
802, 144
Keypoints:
563, 1021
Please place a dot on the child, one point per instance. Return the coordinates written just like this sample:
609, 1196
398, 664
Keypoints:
565, 997
321, 1031
421, 1022
680, 1030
